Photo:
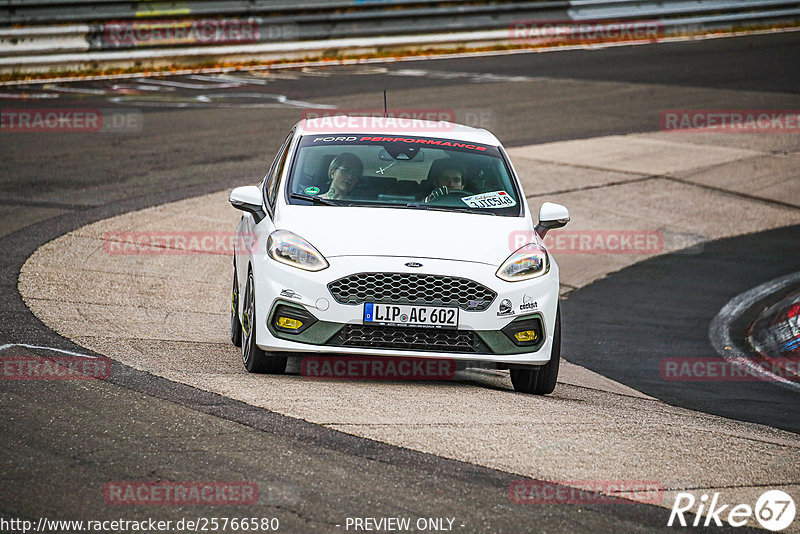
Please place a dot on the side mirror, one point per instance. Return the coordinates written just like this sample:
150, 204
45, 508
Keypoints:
551, 216
248, 198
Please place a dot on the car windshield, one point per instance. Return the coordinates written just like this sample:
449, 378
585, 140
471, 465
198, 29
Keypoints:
402, 172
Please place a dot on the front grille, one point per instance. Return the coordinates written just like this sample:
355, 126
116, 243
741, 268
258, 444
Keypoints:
422, 339
408, 288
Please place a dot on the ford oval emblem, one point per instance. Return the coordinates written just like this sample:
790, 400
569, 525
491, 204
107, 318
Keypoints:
413, 264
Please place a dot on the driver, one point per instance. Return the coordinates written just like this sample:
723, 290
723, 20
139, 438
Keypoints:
450, 179
343, 173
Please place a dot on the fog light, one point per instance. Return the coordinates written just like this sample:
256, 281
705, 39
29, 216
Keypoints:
292, 320
289, 323
526, 335
526, 331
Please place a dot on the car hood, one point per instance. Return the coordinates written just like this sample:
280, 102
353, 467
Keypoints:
413, 233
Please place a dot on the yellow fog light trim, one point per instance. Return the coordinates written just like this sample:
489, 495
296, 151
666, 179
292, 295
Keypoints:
288, 322
526, 335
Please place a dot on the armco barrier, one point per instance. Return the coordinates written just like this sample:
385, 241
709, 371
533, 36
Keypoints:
207, 29
411, 12
55, 11
44, 40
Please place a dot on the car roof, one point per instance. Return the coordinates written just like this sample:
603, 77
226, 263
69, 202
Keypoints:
344, 124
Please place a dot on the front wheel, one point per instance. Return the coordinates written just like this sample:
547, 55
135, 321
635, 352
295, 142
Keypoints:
236, 325
541, 380
254, 358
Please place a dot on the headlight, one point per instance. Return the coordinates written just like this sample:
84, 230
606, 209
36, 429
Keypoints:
528, 262
291, 249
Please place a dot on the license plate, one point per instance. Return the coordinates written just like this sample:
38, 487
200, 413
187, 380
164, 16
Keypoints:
401, 315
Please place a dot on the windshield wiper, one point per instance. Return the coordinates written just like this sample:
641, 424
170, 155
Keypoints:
452, 208
315, 200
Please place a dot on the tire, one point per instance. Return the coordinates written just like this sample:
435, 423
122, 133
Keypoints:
254, 358
541, 380
236, 325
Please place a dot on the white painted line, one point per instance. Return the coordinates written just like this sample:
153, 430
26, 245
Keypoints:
184, 85
25, 345
239, 80
720, 335
28, 96
210, 99
78, 90
471, 76
281, 99
141, 87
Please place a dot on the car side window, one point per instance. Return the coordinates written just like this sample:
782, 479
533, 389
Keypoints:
275, 172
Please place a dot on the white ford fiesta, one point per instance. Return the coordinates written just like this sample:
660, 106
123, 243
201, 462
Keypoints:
370, 237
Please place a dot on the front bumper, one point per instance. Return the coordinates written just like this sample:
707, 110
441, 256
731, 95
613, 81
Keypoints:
338, 328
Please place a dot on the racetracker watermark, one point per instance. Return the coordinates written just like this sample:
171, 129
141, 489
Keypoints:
54, 368
153, 243
538, 31
585, 492
141, 493
369, 119
731, 120
65, 120
476, 117
593, 241
149, 524
717, 370
125, 34
376, 368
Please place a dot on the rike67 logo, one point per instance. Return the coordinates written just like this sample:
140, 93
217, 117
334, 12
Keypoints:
774, 510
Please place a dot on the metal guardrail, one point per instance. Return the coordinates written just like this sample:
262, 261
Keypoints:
44, 39
54, 11
15, 12
173, 27
606, 9
381, 22
389, 18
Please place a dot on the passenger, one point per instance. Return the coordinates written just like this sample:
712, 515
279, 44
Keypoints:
343, 174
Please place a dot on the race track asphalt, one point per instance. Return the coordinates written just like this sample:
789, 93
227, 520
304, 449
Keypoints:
64, 439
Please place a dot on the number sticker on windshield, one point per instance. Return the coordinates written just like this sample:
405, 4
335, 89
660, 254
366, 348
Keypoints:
493, 200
